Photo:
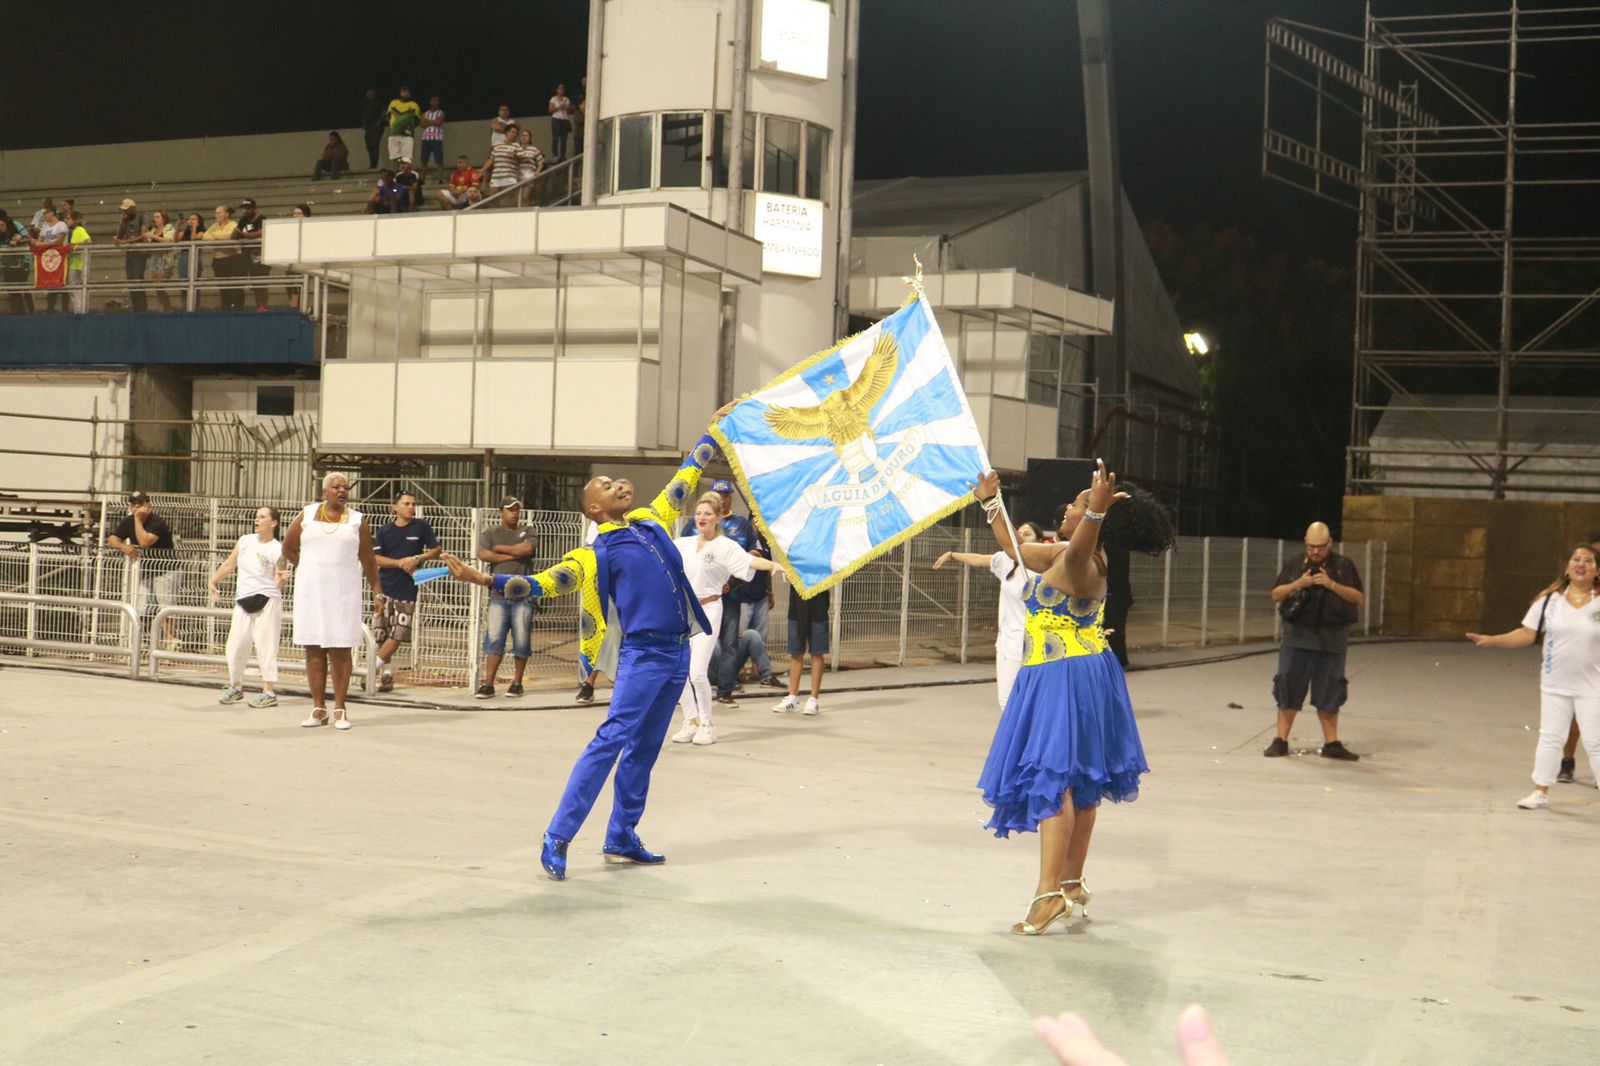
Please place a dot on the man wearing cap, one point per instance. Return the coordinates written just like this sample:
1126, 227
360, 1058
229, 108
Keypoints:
249, 230
144, 537
409, 178
744, 605
130, 230
403, 116
508, 549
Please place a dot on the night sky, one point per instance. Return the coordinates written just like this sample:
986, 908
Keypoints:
948, 86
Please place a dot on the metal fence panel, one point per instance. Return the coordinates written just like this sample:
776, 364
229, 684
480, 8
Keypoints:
897, 610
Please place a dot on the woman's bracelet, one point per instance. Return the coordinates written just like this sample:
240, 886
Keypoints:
991, 506
1093, 516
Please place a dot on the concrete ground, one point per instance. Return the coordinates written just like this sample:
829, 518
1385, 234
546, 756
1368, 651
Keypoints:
183, 882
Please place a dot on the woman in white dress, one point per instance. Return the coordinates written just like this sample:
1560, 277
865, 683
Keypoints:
330, 545
709, 560
257, 608
1567, 614
1013, 613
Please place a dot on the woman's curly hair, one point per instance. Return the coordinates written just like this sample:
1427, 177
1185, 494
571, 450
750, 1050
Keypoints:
1138, 523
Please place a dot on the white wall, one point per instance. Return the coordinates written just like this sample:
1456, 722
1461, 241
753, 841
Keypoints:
71, 394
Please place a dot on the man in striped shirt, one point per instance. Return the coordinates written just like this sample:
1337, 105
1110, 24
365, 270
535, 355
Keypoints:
501, 166
433, 138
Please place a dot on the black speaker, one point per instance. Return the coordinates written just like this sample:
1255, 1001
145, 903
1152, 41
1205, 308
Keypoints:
1049, 484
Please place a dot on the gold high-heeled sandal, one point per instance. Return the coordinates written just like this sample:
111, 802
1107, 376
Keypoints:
1084, 895
1026, 928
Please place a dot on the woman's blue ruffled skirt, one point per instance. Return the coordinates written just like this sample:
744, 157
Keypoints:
1067, 726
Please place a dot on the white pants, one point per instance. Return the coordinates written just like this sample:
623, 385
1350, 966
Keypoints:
1555, 720
1005, 674
696, 698
261, 629
400, 148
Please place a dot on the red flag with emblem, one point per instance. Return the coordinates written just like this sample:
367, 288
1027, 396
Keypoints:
49, 267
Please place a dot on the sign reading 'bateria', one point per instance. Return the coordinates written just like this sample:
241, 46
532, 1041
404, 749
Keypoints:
790, 231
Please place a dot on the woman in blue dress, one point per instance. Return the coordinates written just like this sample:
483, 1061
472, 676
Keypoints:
1067, 732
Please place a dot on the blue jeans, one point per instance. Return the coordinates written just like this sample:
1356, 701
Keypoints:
649, 681
514, 616
743, 637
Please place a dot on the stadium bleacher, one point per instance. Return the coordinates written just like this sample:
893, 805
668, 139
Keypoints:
274, 197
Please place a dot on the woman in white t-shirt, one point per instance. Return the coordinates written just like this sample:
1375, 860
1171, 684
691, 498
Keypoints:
257, 608
709, 560
1013, 613
1568, 613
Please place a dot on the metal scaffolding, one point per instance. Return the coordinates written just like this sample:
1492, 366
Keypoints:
1476, 314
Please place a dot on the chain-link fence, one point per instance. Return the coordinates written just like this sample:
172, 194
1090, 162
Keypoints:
895, 611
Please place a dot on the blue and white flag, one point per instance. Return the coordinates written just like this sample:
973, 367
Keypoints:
855, 450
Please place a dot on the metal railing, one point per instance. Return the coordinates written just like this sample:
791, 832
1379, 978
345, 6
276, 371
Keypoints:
363, 669
67, 613
556, 186
896, 611
181, 276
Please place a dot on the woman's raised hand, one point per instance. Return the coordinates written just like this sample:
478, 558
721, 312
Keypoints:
987, 486
1103, 489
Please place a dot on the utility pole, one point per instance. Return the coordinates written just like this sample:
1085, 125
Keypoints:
1105, 209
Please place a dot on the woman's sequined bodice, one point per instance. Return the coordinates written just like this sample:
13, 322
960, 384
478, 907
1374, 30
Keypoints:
1060, 626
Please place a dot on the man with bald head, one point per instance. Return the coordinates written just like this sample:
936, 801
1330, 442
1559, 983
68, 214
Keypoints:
1318, 596
638, 613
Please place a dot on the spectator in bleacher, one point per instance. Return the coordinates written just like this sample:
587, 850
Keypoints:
225, 261
38, 216
409, 179
75, 263
130, 230
302, 211
433, 137
15, 262
335, 159
561, 115
189, 230
372, 126
52, 233
463, 188
402, 117
160, 265
249, 230
530, 161
504, 163
68, 207
388, 196
499, 126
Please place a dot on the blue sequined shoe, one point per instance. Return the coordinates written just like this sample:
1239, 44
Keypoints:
553, 857
631, 850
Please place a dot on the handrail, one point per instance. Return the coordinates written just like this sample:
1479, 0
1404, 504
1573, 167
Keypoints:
102, 271
135, 628
567, 166
368, 675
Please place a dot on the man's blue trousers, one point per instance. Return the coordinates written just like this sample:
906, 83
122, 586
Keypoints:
650, 678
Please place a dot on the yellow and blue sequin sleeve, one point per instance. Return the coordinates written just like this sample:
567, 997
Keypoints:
668, 505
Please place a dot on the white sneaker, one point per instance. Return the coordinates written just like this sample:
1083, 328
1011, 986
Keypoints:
706, 734
1533, 801
686, 734
812, 706
787, 705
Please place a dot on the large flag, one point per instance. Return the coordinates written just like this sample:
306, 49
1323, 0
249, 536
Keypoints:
857, 449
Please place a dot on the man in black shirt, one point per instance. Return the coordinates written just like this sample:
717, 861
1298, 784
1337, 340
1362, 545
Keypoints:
250, 224
808, 630
409, 179
372, 126
146, 539
1319, 596
130, 230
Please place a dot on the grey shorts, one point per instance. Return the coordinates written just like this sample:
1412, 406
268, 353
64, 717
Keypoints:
1322, 672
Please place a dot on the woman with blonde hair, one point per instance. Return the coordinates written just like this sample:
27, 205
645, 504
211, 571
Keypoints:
709, 560
330, 545
1566, 614
257, 607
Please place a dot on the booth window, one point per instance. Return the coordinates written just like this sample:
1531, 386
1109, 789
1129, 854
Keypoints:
604, 135
682, 149
635, 134
274, 399
719, 150
816, 186
780, 156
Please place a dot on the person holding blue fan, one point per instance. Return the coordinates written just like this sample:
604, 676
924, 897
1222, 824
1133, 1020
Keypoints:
1067, 738
400, 546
